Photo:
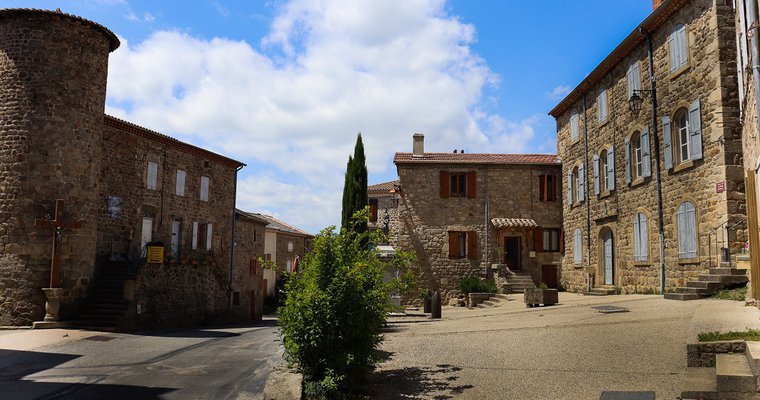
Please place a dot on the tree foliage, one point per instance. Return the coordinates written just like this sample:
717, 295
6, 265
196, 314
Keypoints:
335, 307
355, 188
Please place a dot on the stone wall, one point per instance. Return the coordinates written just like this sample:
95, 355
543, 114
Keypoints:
710, 77
284, 254
425, 219
248, 274
53, 70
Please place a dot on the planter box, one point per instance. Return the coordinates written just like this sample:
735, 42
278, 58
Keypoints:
535, 296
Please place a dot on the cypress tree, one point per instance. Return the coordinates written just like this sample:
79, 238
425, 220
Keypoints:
348, 201
355, 187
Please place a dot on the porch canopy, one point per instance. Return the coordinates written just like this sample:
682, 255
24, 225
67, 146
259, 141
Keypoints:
513, 223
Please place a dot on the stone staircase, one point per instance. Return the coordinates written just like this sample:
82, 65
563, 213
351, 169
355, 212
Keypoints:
601, 290
709, 284
495, 301
105, 308
519, 281
735, 376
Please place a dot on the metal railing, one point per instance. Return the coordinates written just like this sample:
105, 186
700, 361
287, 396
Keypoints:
722, 243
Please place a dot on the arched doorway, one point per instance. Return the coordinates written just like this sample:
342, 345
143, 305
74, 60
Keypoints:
607, 255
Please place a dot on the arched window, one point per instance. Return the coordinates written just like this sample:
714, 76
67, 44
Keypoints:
603, 167
577, 246
682, 139
636, 149
687, 230
640, 238
677, 46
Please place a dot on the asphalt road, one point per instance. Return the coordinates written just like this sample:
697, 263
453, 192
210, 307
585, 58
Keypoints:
202, 363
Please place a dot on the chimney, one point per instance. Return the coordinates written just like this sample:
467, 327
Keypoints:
656, 3
418, 145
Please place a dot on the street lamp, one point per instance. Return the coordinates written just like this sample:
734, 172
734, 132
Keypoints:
634, 102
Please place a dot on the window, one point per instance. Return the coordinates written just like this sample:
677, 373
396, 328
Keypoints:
209, 236
577, 247
679, 55
180, 182
152, 177
602, 173
194, 242
604, 170
574, 128
458, 184
549, 240
640, 240
547, 187
463, 244
634, 78
683, 142
687, 231
372, 210
636, 143
579, 184
254, 234
571, 185
637, 161
290, 246
204, 188
601, 106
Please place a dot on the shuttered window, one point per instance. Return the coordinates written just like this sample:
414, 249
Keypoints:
687, 231
601, 106
574, 127
152, 176
209, 236
463, 244
458, 184
373, 210
204, 188
634, 78
549, 240
577, 246
547, 186
581, 183
180, 183
640, 238
678, 49
687, 138
194, 242
610, 170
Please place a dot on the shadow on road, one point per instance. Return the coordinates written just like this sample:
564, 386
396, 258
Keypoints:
435, 382
17, 365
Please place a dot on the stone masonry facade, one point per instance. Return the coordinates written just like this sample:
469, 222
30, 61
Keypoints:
432, 221
56, 143
609, 218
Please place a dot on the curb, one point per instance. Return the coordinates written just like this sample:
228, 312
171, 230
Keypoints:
283, 384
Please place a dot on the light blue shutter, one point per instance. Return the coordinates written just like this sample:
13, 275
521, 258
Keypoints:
611, 168
570, 188
581, 183
643, 238
636, 239
596, 174
631, 88
683, 54
646, 162
666, 139
687, 231
695, 130
627, 144
577, 258
673, 47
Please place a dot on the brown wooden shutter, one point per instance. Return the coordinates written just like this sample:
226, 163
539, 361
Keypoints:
373, 210
542, 187
472, 245
472, 183
562, 241
538, 240
445, 185
453, 244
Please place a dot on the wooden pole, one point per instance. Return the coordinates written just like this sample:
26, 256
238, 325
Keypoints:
754, 233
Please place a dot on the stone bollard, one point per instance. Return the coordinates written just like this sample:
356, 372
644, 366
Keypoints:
426, 302
435, 313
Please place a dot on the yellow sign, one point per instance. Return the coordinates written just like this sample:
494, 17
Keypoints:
155, 255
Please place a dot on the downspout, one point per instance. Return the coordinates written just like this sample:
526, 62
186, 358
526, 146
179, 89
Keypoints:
232, 242
658, 174
753, 35
585, 185
485, 209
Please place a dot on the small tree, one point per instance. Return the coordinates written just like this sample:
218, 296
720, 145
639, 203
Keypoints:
355, 196
335, 307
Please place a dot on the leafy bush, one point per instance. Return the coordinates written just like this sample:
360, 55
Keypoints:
472, 284
335, 307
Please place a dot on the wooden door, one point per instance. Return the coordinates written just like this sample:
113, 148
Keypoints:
608, 258
512, 252
549, 276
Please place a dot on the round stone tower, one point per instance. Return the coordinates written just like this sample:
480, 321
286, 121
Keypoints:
53, 69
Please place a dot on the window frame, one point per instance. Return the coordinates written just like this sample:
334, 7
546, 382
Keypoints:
678, 48
577, 246
574, 127
179, 184
640, 237
458, 184
547, 187
204, 188
463, 245
603, 171
602, 106
637, 166
682, 116
151, 178
550, 240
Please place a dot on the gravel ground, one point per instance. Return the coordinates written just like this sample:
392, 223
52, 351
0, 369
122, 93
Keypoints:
567, 351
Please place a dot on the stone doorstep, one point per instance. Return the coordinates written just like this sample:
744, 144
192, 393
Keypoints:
753, 356
682, 296
695, 290
704, 285
727, 271
725, 279
734, 374
700, 383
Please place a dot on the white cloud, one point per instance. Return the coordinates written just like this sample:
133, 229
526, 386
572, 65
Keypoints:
148, 17
560, 92
385, 68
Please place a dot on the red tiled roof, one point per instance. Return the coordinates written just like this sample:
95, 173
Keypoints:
513, 223
477, 158
384, 187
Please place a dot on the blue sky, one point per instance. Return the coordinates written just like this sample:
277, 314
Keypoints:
285, 85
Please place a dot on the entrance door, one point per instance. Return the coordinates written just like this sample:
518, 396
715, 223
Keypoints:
147, 231
512, 252
176, 225
608, 257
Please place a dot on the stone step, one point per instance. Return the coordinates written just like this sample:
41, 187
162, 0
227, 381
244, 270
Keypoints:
682, 296
700, 383
501, 296
727, 271
724, 279
734, 373
711, 286
753, 356
697, 291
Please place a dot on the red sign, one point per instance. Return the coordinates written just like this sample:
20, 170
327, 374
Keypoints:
720, 187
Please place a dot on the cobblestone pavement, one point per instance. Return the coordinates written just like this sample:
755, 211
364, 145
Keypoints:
566, 351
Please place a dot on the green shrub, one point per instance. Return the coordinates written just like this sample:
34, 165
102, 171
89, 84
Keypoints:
472, 284
335, 308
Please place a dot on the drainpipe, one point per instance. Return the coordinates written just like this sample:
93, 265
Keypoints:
658, 175
753, 35
485, 209
234, 215
586, 173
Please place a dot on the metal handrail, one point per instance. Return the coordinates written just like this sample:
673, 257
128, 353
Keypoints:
722, 235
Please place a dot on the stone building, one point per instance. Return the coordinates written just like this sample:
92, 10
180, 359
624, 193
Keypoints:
459, 213
383, 207
249, 286
123, 186
684, 147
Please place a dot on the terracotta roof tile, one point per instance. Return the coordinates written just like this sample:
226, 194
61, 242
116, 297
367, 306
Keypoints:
513, 223
384, 187
477, 158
